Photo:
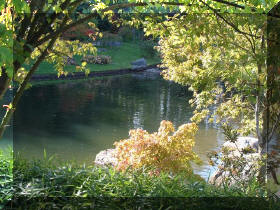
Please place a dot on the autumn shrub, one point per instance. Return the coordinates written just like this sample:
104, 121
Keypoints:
81, 32
164, 150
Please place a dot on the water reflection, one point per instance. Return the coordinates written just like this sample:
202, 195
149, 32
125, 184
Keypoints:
76, 120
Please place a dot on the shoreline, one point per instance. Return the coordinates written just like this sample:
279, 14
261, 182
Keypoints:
81, 75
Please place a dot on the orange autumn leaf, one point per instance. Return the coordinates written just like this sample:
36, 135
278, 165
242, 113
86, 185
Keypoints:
164, 150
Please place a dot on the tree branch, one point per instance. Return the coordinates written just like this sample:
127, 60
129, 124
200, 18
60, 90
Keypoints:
230, 4
225, 20
139, 4
23, 85
92, 15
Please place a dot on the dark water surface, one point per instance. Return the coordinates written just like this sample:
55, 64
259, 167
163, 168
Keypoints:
76, 120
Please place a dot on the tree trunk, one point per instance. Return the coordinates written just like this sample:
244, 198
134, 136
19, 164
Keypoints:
271, 112
4, 83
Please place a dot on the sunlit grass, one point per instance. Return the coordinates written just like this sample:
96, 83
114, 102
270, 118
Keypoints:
6, 176
121, 58
272, 186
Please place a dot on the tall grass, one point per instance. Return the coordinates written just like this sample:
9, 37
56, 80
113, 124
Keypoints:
51, 184
6, 177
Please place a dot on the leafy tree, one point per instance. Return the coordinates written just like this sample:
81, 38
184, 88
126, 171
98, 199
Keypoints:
30, 33
224, 60
222, 67
226, 52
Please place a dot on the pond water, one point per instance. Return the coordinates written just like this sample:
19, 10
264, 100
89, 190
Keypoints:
76, 120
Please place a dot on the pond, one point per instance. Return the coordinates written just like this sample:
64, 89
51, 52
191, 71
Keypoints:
77, 119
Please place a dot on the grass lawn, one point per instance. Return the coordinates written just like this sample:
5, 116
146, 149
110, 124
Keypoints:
121, 58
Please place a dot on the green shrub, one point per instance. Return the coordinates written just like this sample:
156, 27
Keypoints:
6, 177
126, 33
109, 38
148, 49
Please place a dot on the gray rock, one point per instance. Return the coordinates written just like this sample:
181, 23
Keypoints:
250, 162
139, 63
153, 71
249, 170
149, 74
106, 158
242, 143
218, 177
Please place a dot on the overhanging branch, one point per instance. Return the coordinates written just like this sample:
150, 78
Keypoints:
121, 6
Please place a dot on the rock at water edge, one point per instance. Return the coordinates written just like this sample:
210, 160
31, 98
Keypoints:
106, 158
140, 63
